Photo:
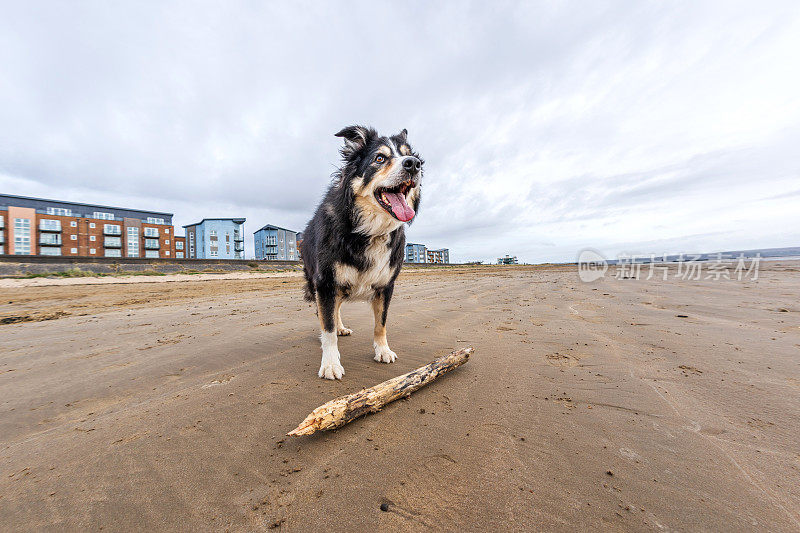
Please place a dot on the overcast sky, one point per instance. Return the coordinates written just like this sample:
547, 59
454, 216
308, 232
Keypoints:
546, 127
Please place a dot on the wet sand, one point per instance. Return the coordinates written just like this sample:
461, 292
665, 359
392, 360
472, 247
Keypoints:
620, 404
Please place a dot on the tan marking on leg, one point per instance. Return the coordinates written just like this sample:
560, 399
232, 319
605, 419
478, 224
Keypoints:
341, 330
383, 353
379, 336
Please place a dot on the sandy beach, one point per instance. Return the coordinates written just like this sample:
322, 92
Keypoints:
621, 404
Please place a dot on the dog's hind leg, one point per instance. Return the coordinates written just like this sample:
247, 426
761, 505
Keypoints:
380, 308
340, 327
331, 367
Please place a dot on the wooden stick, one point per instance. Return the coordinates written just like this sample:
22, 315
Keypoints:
344, 409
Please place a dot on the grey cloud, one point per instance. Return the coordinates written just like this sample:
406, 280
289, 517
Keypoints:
539, 122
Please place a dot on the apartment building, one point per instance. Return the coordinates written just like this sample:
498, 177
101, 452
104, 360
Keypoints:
507, 260
180, 247
273, 243
416, 253
37, 226
439, 256
215, 238
419, 253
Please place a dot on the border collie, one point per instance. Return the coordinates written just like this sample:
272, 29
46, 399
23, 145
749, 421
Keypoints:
354, 245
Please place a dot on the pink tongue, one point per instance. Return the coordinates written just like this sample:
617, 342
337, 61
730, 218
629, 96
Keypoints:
400, 208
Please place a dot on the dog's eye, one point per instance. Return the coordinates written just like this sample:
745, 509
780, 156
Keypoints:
380, 158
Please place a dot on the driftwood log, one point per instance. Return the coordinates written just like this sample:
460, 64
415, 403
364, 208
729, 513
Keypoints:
344, 409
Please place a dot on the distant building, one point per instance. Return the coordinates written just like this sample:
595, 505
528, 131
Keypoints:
419, 253
276, 244
439, 256
299, 241
507, 260
416, 253
180, 247
215, 238
36, 226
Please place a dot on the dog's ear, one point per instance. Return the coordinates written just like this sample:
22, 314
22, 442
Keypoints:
356, 137
403, 135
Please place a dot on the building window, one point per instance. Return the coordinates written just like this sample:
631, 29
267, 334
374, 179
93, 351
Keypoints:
166, 241
179, 245
48, 224
214, 252
152, 254
151, 232
47, 250
166, 230
73, 223
133, 241
103, 216
73, 250
166, 252
92, 238
154, 220
50, 238
91, 225
113, 242
73, 237
92, 251
178, 255
151, 244
112, 229
113, 252
59, 211
22, 236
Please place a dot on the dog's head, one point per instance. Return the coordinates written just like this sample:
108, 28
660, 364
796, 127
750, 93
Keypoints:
384, 176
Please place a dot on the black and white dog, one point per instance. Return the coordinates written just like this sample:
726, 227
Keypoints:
354, 245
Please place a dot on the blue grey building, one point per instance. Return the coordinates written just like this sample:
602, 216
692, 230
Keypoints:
276, 244
215, 238
416, 253
419, 253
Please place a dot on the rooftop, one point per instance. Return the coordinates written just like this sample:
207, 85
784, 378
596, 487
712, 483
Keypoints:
31, 201
234, 220
270, 226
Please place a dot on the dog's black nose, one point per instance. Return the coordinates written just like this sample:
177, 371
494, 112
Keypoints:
411, 164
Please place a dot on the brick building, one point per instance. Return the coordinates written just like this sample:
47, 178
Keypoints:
36, 226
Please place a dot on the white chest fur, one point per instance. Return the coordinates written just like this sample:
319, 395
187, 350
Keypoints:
362, 283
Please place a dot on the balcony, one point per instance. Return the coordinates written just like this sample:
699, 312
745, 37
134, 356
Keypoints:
50, 240
237, 237
111, 229
238, 247
112, 242
50, 225
151, 232
151, 244
2, 236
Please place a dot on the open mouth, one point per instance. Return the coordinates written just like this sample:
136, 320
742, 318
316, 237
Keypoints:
394, 201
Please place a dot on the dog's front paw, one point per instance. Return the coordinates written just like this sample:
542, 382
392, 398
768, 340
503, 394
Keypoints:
343, 331
332, 370
383, 354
